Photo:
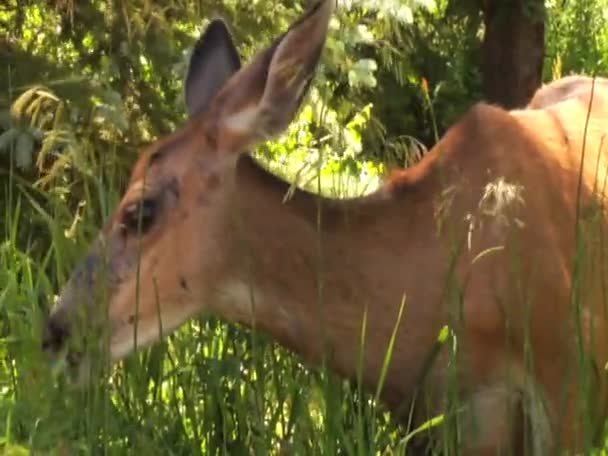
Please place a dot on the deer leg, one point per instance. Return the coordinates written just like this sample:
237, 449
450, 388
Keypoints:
505, 420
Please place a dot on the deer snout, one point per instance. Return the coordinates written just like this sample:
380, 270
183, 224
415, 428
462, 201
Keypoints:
72, 310
64, 349
62, 353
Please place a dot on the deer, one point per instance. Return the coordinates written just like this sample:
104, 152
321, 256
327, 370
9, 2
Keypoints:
496, 235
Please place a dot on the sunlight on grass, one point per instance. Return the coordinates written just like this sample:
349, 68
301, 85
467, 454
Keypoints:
212, 388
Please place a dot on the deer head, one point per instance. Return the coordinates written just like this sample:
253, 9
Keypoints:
161, 255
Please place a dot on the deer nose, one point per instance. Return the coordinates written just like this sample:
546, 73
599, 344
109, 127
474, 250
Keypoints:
55, 335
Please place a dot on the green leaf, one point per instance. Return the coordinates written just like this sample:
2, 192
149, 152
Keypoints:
404, 15
7, 138
112, 115
443, 334
5, 119
363, 34
362, 73
24, 150
15, 450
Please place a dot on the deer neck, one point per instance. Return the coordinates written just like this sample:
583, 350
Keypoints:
308, 271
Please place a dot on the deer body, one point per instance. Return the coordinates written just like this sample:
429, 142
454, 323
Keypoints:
481, 235
379, 248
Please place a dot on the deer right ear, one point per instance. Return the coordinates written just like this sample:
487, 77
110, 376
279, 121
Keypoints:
263, 98
213, 61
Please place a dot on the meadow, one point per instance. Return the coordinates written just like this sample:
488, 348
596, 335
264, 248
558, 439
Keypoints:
84, 86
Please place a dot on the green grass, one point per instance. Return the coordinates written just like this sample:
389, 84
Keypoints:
212, 388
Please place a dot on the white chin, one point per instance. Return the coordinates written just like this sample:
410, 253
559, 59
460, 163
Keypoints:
123, 342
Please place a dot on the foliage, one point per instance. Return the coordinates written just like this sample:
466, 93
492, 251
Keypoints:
85, 85
580, 38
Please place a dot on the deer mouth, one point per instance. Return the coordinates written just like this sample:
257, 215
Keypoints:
69, 353
72, 364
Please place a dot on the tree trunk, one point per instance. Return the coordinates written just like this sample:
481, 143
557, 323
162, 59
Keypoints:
512, 51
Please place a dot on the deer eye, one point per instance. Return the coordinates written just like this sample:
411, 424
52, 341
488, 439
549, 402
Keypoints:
139, 217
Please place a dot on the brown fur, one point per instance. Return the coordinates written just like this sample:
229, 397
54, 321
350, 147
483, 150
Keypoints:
494, 259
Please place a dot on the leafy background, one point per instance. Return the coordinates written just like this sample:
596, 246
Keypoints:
84, 85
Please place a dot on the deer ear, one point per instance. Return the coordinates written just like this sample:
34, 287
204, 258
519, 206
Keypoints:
214, 60
264, 97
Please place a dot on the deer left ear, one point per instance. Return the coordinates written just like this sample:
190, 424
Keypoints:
213, 62
264, 97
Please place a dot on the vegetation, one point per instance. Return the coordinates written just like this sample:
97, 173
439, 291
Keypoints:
85, 85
